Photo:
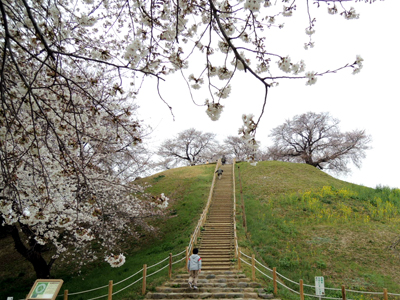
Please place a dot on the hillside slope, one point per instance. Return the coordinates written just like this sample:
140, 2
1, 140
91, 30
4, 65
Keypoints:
299, 219
307, 223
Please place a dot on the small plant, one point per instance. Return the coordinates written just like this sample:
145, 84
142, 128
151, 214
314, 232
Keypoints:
158, 178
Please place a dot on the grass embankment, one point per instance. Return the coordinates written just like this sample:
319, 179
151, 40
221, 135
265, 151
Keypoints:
188, 190
307, 223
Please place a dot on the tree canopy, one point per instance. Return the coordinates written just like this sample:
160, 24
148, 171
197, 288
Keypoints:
315, 139
190, 146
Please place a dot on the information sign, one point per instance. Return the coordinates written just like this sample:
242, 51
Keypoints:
46, 289
319, 286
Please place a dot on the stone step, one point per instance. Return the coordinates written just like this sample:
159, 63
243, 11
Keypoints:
218, 257
227, 231
216, 274
217, 282
208, 242
210, 247
201, 289
194, 294
208, 251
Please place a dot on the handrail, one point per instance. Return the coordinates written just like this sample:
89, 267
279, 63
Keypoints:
307, 285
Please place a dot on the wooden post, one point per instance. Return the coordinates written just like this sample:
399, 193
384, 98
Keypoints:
110, 288
144, 279
385, 294
170, 266
65, 294
236, 255
187, 256
275, 283
343, 292
253, 267
239, 259
301, 290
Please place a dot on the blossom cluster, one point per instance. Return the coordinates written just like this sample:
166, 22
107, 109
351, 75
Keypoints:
287, 66
163, 201
358, 64
214, 110
197, 82
115, 261
312, 79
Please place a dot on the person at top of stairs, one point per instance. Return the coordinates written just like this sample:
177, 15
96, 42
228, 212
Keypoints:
194, 268
223, 159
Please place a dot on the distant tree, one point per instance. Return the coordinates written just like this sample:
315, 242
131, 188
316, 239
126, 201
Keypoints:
239, 147
315, 139
190, 146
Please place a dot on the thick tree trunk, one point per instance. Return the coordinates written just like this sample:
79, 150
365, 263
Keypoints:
33, 254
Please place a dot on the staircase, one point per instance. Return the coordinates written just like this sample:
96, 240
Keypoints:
217, 279
216, 247
212, 285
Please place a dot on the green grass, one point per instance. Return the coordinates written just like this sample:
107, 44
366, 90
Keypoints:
307, 223
188, 190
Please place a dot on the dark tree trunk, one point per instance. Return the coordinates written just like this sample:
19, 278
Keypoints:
32, 254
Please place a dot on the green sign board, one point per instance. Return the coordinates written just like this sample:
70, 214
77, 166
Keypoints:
45, 289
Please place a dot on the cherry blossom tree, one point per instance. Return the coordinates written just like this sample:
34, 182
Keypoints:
70, 71
315, 139
239, 148
190, 146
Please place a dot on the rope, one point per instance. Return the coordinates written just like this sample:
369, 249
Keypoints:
95, 289
263, 273
128, 277
245, 261
157, 271
245, 255
179, 253
178, 261
287, 278
371, 293
158, 263
263, 265
129, 285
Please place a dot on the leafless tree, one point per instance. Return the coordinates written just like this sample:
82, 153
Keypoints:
239, 147
190, 146
315, 139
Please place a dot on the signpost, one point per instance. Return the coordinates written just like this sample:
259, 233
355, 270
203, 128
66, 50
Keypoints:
45, 289
319, 286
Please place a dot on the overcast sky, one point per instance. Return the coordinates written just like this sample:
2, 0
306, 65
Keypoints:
368, 100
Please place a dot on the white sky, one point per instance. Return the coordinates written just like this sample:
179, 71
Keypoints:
368, 100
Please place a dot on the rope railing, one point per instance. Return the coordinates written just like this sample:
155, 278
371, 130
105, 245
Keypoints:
185, 253
255, 264
111, 285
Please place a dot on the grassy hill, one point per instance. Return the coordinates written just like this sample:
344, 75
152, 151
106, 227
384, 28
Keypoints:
299, 219
307, 223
